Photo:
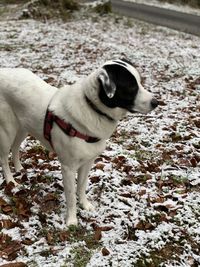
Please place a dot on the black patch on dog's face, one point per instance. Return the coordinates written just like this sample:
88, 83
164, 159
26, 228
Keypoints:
126, 88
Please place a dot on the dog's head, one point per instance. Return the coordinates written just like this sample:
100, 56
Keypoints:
120, 86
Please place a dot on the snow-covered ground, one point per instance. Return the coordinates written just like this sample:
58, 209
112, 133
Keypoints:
145, 185
173, 6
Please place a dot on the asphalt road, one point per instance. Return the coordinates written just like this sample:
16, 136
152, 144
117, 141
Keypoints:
159, 16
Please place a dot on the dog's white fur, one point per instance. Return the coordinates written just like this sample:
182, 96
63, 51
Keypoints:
24, 99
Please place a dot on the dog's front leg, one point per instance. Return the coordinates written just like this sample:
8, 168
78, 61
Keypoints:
82, 184
69, 181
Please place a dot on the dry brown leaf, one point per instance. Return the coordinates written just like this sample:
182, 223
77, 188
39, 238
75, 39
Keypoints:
3, 202
105, 228
127, 168
27, 241
50, 238
7, 209
141, 225
197, 123
6, 223
64, 236
152, 167
49, 197
158, 199
142, 192
10, 250
193, 162
105, 251
22, 206
128, 195
100, 166
97, 234
94, 179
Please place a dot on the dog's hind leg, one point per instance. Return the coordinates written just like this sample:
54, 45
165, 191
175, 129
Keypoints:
82, 184
15, 149
6, 171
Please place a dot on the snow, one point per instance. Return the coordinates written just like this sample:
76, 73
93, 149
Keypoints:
145, 185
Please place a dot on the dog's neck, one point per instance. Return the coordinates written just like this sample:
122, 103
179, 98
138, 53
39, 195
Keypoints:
95, 108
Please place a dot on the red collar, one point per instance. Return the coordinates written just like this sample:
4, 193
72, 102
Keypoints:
67, 128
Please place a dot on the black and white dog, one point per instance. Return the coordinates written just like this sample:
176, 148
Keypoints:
74, 121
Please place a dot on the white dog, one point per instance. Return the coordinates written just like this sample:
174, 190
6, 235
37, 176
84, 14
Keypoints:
74, 121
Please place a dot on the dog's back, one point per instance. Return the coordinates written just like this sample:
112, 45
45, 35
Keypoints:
20, 87
25, 93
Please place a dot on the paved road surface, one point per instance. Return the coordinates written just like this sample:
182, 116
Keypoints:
160, 16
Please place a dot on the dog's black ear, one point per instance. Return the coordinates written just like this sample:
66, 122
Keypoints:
107, 83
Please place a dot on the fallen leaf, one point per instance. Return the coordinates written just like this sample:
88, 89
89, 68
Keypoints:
105, 228
128, 195
142, 192
3, 202
10, 249
50, 238
197, 123
22, 206
7, 224
7, 209
100, 166
127, 168
94, 179
105, 251
97, 234
141, 225
27, 241
193, 162
64, 236
49, 197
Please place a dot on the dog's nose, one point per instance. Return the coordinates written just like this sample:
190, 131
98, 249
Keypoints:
154, 103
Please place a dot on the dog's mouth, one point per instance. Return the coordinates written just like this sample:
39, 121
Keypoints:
142, 111
132, 111
145, 107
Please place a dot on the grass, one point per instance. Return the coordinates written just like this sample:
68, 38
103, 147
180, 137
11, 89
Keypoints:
103, 8
40, 9
37, 149
171, 252
82, 254
6, 47
68, 4
13, 1
3, 10
157, 257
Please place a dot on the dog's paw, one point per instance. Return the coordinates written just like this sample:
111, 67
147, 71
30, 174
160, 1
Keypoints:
13, 183
86, 205
71, 221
